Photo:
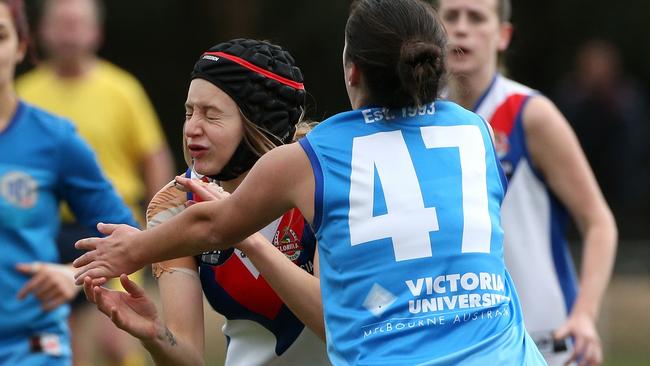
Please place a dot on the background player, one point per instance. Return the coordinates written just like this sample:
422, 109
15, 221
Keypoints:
43, 162
548, 175
114, 115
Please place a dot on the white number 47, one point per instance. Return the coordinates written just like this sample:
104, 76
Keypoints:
407, 222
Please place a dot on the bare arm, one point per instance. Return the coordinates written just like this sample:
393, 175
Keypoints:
180, 340
299, 290
133, 312
556, 152
280, 180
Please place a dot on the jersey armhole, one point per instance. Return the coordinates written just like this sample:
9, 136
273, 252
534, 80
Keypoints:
318, 182
502, 176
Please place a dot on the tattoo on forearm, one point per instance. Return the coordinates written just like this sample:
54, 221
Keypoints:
170, 337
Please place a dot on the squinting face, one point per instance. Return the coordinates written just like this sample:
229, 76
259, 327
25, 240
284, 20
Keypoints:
11, 51
70, 29
214, 127
474, 34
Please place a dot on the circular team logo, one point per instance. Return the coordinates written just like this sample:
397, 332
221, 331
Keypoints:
19, 189
501, 144
288, 243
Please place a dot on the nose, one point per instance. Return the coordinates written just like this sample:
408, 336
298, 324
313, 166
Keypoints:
460, 26
192, 126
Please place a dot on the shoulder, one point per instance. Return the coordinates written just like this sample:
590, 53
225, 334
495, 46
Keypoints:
540, 113
338, 118
449, 107
117, 79
513, 87
45, 122
166, 203
113, 72
450, 111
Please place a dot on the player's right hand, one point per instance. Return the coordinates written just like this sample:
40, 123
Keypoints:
107, 257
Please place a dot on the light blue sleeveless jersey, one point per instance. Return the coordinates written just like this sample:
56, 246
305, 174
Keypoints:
42, 162
411, 248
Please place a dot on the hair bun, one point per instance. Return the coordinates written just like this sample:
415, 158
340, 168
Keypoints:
419, 70
415, 53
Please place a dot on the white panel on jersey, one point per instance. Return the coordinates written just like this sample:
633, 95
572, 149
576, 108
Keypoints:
268, 232
525, 217
498, 93
252, 344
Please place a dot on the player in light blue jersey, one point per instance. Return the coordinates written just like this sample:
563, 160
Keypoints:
404, 194
42, 162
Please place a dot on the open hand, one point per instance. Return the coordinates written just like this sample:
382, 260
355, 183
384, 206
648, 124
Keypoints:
131, 311
107, 257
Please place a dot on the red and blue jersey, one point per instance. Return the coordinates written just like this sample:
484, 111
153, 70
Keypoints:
535, 248
260, 328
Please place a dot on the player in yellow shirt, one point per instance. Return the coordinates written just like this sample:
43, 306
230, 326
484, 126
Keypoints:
111, 112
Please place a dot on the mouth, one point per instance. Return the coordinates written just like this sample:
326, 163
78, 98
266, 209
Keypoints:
458, 51
196, 151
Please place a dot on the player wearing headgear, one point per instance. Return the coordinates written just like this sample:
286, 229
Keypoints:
246, 97
404, 193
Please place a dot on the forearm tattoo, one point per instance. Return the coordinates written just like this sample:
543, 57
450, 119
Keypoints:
170, 337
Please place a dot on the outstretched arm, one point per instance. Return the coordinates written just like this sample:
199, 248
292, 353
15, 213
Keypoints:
280, 180
298, 289
557, 154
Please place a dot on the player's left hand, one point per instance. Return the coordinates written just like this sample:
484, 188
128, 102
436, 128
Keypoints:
587, 349
107, 257
204, 191
51, 283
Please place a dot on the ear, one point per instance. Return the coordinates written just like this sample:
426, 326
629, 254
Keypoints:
353, 74
505, 35
21, 51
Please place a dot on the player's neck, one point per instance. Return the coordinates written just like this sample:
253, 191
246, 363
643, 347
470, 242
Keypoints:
74, 69
467, 89
230, 185
8, 103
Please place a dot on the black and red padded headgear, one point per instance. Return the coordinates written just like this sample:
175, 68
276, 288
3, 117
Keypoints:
267, 86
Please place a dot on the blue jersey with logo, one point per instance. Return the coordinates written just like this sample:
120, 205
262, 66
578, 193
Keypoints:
411, 248
42, 162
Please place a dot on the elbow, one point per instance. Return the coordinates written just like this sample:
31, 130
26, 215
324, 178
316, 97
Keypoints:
213, 236
604, 226
207, 224
610, 223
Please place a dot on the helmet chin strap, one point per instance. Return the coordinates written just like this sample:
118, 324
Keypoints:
241, 161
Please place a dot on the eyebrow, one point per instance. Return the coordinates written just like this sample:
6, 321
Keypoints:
208, 107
